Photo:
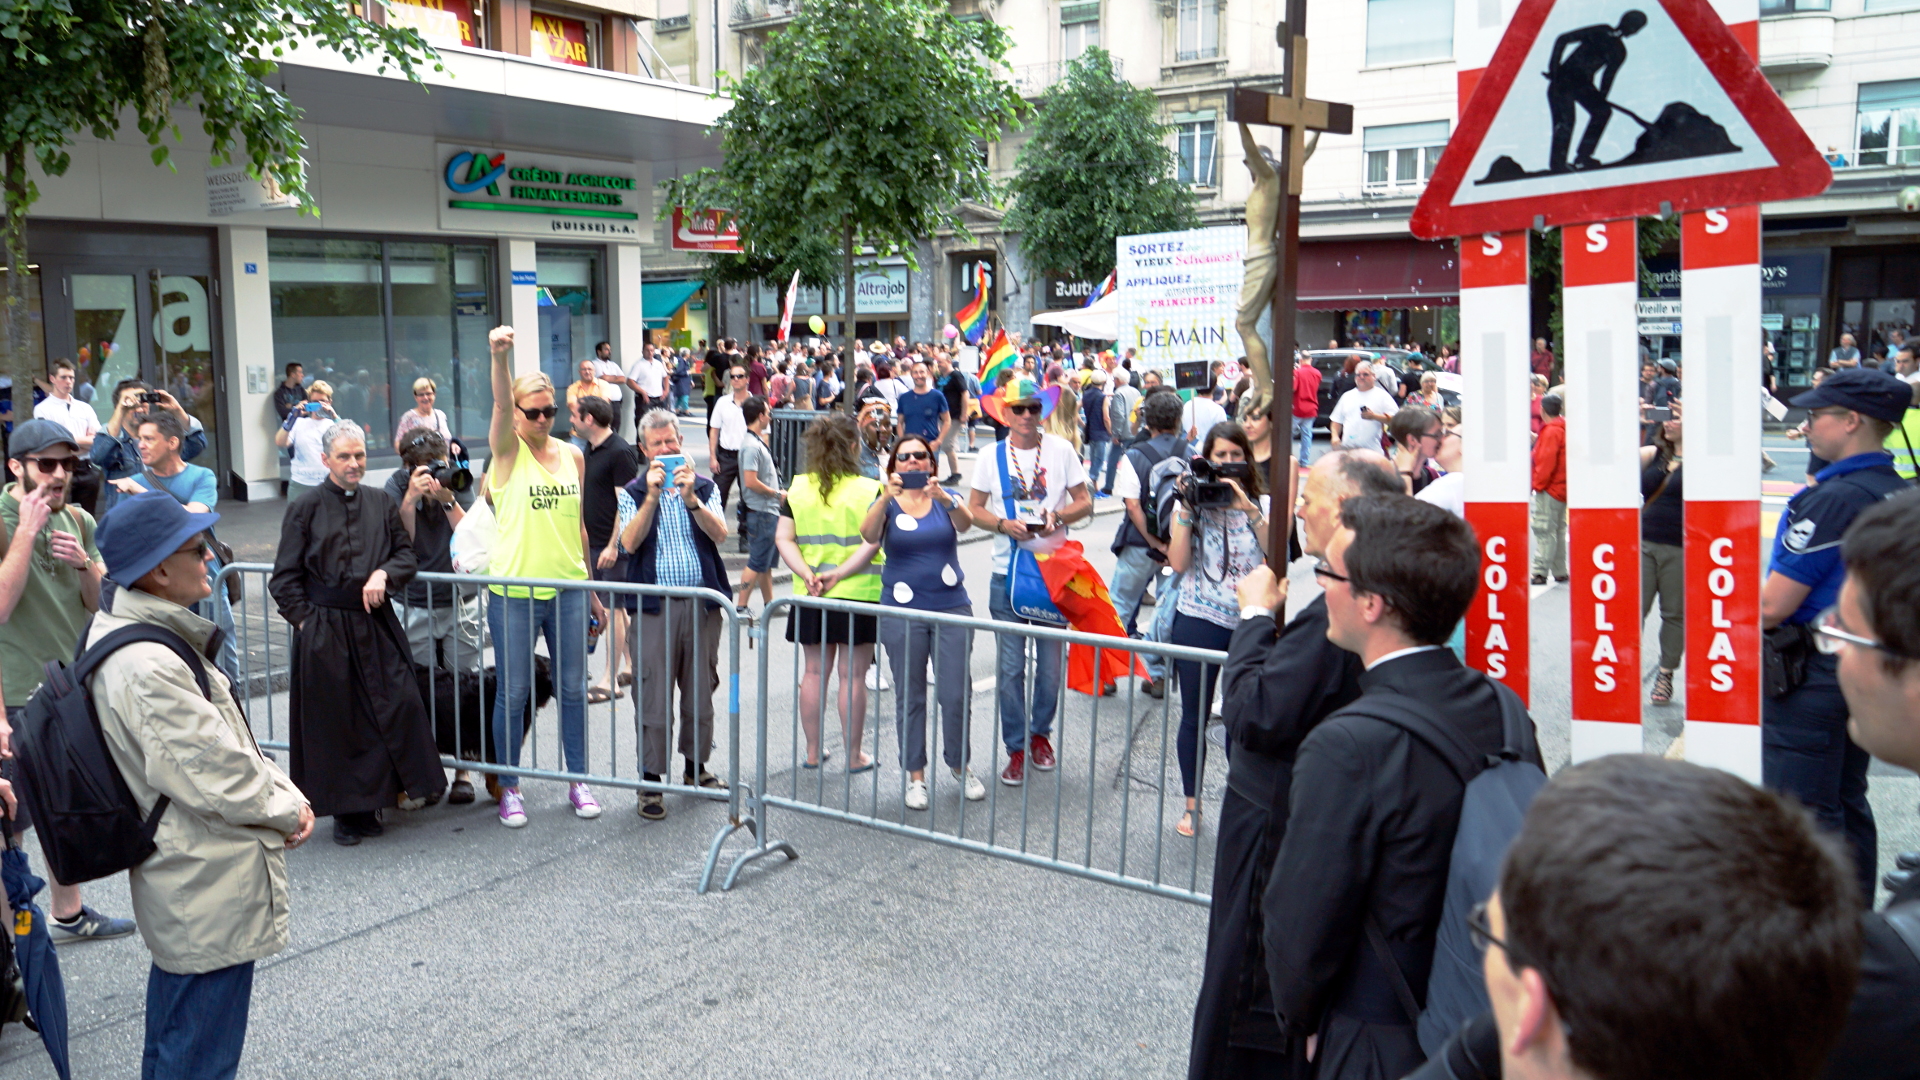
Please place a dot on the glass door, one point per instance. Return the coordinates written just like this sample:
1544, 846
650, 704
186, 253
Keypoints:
181, 349
106, 335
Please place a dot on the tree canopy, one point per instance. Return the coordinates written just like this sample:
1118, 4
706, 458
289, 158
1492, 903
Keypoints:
1097, 167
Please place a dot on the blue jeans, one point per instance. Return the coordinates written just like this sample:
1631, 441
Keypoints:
1133, 571
516, 622
1097, 456
1303, 436
1012, 671
1196, 689
196, 1024
1166, 600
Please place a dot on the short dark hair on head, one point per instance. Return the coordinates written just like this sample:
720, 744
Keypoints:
1161, 412
597, 407
1882, 552
1686, 922
1551, 405
59, 366
752, 409
294, 366
598, 345
1419, 558
168, 424
1410, 421
424, 446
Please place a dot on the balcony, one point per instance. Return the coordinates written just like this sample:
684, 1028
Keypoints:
751, 15
1032, 80
1799, 42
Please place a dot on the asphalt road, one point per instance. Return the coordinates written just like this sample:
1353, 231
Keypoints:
454, 947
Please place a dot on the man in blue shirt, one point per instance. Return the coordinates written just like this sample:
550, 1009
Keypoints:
923, 410
1805, 749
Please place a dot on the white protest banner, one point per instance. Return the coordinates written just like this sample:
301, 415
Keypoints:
1178, 295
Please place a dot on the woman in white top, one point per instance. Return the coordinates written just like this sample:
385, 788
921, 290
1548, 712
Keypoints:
423, 414
301, 436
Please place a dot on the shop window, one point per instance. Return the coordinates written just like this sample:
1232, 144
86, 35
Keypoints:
573, 311
1889, 123
563, 38
1079, 29
370, 317
1409, 31
1402, 156
1788, 7
1196, 135
442, 22
1199, 23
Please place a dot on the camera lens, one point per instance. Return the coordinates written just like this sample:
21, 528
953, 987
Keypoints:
452, 477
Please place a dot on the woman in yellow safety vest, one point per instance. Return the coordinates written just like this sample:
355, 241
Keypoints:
819, 540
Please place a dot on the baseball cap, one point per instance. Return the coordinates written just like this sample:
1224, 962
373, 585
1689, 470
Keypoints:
1868, 391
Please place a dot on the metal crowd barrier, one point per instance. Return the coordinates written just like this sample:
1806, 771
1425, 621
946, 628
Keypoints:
1104, 750
265, 645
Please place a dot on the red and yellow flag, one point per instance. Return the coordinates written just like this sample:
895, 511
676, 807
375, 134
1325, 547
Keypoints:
1081, 595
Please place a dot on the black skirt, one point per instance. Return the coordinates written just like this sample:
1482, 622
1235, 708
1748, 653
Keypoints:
804, 626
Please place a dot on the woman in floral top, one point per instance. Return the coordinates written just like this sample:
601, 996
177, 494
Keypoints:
1212, 549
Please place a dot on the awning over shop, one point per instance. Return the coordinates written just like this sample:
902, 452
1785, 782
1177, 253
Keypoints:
660, 299
1343, 275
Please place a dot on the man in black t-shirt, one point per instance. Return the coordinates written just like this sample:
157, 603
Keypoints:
440, 632
291, 392
953, 384
611, 463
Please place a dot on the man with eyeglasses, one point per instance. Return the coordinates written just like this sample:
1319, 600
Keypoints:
726, 430
1805, 751
49, 589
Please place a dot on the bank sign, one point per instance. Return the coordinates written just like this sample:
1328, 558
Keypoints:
510, 192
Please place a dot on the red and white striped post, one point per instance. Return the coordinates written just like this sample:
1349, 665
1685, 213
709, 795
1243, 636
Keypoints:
1494, 325
1720, 395
1601, 272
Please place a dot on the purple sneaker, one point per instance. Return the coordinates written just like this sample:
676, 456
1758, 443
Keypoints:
584, 804
512, 814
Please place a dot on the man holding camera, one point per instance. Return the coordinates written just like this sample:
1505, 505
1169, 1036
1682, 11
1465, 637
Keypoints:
442, 630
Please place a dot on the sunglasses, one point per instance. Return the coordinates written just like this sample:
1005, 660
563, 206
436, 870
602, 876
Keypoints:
537, 415
1023, 410
737, 375
49, 466
913, 455
198, 549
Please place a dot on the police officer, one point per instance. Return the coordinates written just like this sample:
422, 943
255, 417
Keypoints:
1806, 752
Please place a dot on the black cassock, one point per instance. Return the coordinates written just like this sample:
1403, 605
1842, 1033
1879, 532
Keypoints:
1279, 685
359, 732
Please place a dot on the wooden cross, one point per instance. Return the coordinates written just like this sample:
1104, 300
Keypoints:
1293, 112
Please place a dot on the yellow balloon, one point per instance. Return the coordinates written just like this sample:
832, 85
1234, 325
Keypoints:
817, 324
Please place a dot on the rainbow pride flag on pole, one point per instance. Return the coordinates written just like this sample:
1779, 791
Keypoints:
1000, 357
972, 319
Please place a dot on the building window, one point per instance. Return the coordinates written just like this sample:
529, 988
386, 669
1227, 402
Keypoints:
1891, 5
1196, 134
1402, 156
1788, 7
1199, 29
1408, 31
563, 39
1889, 123
442, 22
1079, 29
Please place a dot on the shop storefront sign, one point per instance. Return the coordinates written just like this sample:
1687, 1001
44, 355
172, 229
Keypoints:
1059, 294
231, 191
487, 190
560, 40
1794, 274
441, 22
704, 230
880, 290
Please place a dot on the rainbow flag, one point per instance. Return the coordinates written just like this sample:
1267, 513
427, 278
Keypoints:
972, 319
1000, 357
1081, 595
1105, 288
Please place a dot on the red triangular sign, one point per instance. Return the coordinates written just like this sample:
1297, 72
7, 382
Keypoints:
1639, 103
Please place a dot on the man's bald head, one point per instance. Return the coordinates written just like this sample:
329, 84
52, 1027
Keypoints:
1338, 476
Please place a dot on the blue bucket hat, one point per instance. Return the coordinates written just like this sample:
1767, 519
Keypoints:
143, 529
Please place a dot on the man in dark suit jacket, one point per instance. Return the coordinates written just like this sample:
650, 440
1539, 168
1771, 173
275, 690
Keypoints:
1280, 682
1373, 810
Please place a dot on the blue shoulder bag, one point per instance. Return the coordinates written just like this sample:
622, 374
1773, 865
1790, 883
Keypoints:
1027, 590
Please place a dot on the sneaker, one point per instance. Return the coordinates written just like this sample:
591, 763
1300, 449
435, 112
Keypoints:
877, 679
512, 813
1155, 688
584, 804
1015, 773
976, 790
953, 479
1043, 754
653, 806
916, 794
90, 926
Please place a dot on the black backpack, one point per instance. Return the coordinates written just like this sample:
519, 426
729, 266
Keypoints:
89, 824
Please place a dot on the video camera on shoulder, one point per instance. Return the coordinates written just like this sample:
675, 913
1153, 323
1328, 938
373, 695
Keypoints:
1205, 486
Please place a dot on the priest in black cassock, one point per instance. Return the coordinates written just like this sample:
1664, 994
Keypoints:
361, 739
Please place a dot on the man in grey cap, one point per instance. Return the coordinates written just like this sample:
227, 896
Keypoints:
1805, 749
49, 587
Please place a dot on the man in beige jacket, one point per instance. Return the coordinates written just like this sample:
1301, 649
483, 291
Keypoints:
213, 898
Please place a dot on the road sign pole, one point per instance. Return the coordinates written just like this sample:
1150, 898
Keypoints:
1601, 270
1720, 386
1494, 326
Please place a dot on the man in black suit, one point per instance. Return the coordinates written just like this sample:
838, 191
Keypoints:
1373, 810
1280, 682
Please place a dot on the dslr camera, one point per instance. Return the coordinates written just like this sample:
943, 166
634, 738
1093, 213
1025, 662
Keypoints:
453, 477
1205, 486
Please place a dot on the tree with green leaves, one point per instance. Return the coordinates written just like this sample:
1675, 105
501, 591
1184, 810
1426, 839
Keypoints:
1653, 234
864, 124
68, 66
1098, 166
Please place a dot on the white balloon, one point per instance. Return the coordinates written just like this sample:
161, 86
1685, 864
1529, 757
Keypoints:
902, 593
905, 522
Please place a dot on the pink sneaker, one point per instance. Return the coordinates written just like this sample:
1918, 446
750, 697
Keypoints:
584, 804
512, 814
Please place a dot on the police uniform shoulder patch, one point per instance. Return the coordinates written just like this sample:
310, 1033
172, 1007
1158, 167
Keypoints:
1799, 535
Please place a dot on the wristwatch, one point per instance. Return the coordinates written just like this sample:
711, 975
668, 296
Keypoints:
1254, 611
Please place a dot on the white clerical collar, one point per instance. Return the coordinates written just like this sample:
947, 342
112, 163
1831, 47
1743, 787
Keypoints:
1398, 653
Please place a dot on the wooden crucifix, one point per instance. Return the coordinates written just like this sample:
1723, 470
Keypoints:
1273, 252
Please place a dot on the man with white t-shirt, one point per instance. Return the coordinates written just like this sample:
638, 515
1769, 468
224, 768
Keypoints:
608, 370
726, 431
1361, 414
647, 378
78, 417
1199, 417
1047, 485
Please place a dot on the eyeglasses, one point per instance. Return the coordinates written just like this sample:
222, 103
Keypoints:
913, 455
422, 393
1830, 635
1480, 930
537, 415
1321, 569
197, 549
49, 466
1022, 410
1831, 410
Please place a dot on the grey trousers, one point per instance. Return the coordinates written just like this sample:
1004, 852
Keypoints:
664, 648
1662, 573
446, 635
1549, 536
910, 643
